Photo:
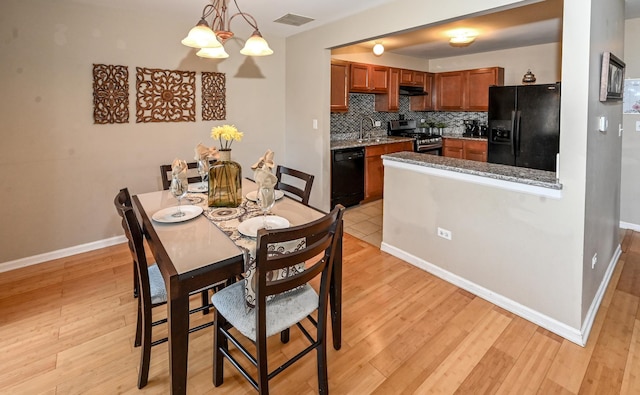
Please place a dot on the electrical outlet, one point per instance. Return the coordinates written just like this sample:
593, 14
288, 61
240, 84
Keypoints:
594, 260
377, 123
445, 234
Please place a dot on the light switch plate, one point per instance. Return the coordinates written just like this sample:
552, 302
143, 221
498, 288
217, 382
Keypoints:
637, 126
602, 124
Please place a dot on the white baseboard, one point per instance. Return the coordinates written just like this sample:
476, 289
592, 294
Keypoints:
627, 225
65, 252
602, 289
572, 334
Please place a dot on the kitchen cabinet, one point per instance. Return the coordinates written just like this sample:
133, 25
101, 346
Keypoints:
368, 78
465, 149
466, 90
390, 101
426, 102
450, 88
478, 83
475, 150
452, 148
339, 86
412, 77
373, 169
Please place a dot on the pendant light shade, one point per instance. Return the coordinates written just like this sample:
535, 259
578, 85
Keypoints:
256, 46
213, 53
201, 36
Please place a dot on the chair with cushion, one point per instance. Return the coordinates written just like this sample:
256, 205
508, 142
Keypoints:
300, 178
280, 304
151, 288
123, 199
165, 174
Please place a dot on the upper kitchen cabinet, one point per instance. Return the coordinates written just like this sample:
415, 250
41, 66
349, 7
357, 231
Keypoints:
450, 89
390, 101
368, 78
478, 83
466, 90
411, 77
424, 102
339, 86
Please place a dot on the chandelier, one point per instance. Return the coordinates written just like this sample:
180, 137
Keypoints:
210, 40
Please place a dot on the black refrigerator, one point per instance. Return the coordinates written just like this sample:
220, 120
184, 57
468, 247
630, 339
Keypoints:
524, 125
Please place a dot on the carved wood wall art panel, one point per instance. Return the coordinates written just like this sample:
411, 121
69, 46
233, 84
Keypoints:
110, 94
214, 93
165, 95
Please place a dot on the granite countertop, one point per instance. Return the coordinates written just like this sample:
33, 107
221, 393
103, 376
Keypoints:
540, 178
340, 144
462, 137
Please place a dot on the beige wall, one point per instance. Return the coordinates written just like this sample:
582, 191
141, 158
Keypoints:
60, 172
365, 55
630, 190
603, 156
543, 60
520, 246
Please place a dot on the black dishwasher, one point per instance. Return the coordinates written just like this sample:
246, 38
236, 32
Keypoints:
347, 176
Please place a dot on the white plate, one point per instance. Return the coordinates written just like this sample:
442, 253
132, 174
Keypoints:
166, 214
253, 195
198, 187
251, 226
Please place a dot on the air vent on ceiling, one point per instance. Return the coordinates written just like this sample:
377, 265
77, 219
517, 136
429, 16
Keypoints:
293, 20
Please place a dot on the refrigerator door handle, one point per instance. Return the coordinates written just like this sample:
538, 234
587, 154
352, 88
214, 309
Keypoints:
516, 131
512, 134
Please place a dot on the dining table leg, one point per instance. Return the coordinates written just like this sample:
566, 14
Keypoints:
335, 296
178, 324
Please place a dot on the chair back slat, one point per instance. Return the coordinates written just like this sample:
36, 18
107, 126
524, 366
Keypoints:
302, 193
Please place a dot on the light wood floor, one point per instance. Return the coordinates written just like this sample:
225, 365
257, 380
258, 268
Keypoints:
67, 327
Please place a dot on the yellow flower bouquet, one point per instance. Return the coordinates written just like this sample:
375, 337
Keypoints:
226, 134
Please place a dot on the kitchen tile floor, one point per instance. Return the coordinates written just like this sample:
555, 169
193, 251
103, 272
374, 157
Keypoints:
365, 222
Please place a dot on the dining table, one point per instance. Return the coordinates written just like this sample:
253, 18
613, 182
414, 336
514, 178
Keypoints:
195, 253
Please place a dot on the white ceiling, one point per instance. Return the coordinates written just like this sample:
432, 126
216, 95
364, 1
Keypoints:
529, 25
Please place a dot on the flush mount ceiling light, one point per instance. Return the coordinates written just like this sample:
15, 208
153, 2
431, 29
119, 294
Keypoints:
462, 37
378, 49
210, 40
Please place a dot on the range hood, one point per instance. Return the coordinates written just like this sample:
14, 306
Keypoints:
411, 90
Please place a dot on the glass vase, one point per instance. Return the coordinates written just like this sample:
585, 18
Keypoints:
225, 182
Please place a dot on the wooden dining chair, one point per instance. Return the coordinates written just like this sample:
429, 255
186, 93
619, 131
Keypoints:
123, 200
165, 174
280, 304
300, 178
151, 288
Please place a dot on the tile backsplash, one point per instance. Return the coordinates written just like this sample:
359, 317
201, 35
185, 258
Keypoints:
346, 126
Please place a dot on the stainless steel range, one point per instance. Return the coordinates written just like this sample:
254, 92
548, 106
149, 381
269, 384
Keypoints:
424, 142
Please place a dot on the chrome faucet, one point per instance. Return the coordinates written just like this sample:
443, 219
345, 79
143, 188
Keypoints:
361, 135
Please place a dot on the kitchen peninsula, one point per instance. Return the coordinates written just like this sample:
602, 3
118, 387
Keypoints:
481, 226
536, 181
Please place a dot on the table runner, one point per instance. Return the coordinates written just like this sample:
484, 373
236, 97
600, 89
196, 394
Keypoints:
227, 219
